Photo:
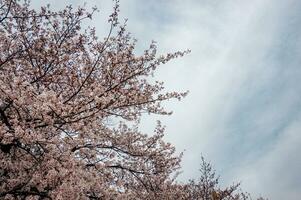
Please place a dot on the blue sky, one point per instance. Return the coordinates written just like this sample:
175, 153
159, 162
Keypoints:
243, 74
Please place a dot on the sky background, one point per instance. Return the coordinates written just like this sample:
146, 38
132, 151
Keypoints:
243, 110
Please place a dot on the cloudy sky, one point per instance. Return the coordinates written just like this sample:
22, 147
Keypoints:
244, 77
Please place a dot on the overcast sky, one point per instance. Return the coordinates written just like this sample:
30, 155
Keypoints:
243, 74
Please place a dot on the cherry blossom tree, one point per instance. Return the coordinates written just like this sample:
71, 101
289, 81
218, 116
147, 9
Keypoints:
70, 106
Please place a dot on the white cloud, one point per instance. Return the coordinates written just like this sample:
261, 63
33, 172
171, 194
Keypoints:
243, 86
276, 173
